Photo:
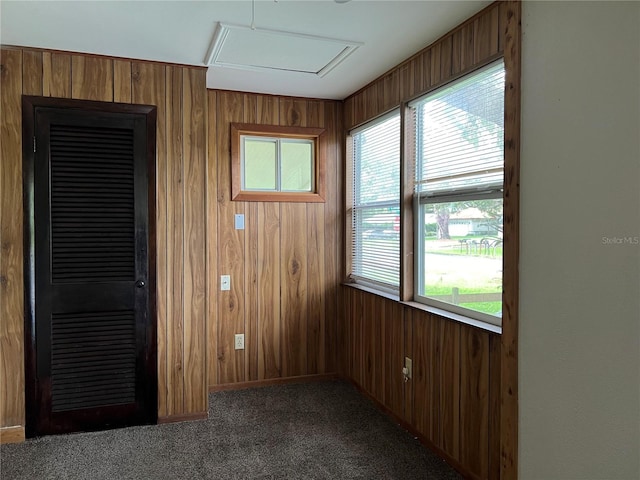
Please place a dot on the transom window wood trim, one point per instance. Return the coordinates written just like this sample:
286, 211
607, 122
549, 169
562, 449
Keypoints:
239, 131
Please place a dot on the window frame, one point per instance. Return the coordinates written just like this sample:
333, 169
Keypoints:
419, 199
375, 285
315, 135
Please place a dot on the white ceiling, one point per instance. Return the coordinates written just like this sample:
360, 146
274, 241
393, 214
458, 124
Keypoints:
181, 32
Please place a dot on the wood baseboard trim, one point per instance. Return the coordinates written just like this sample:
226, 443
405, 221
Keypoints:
273, 381
187, 417
12, 434
425, 441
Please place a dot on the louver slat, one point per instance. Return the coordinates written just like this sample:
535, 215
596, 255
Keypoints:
92, 199
93, 360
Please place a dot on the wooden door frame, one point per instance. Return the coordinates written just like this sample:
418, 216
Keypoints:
29, 104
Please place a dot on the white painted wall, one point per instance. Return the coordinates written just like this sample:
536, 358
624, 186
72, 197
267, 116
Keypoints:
579, 354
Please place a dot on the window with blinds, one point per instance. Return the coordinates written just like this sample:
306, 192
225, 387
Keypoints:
375, 212
459, 165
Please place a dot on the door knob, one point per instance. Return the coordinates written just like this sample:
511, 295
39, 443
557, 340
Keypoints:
140, 283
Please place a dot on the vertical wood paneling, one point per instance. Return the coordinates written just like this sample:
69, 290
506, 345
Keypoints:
449, 408
251, 291
92, 78
332, 233
122, 81
426, 71
268, 268
509, 339
161, 240
251, 265
474, 401
293, 287
368, 352
391, 90
31, 72
294, 269
175, 240
422, 375
435, 73
194, 128
446, 56
452, 401
494, 406
316, 283
394, 356
282, 257
11, 250
212, 239
230, 247
408, 320
269, 353
181, 326
56, 79
148, 87
468, 45
448, 400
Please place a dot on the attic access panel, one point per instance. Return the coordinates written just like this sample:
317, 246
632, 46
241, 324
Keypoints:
262, 49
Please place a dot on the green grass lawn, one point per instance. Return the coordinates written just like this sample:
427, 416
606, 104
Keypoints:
486, 307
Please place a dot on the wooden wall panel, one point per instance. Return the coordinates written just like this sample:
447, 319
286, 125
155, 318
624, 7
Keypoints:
175, 239
212, 239
452, 400
333, 234
284, 273
450, 370
423, 360
469, 45
92, 78
463, 397
32, 73
11, 250
121, 81
293, 287
230, 247
56, 75
148, 87
180, 239
474, 401
394, 358
251, 265
194, 117
269, 353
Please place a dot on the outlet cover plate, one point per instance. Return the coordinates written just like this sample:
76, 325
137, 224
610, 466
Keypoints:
239, 341
408, 365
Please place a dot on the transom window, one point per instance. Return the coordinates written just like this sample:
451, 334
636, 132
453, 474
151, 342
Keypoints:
271, 164
276, 163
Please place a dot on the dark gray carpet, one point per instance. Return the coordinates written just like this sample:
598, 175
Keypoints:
307, 431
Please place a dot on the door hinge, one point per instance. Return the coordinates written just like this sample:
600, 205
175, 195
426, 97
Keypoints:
34, 144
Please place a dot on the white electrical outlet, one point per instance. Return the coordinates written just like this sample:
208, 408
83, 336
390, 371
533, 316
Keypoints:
225, 282
239, 341
408, 367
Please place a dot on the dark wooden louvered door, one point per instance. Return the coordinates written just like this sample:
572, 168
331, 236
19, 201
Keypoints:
94, 334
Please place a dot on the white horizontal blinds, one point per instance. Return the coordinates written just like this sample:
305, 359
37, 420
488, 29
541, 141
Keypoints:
460, 135
376, 203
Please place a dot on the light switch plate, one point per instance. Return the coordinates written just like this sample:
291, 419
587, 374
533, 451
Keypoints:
239, 221
225, 282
